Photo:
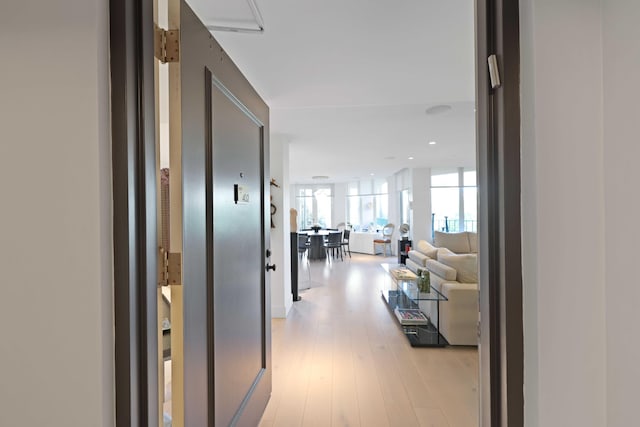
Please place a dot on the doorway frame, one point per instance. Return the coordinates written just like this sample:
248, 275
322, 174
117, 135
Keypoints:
134, 214
499, 228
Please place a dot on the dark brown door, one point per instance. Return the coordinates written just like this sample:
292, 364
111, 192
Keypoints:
227, 372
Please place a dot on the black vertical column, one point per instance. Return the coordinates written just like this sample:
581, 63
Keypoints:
294, 266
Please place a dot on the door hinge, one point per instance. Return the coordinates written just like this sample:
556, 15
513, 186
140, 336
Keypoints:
494, 72
166, 45
169, 268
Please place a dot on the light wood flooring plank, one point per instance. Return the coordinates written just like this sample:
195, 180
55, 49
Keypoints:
318, 405
431, 417
340, 359
368, 383
395, 394
295, 374
344, 403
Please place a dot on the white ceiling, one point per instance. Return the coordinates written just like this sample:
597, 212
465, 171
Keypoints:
348, 81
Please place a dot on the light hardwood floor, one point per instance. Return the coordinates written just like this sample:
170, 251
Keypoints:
340, 359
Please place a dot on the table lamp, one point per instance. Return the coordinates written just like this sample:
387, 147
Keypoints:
404, 230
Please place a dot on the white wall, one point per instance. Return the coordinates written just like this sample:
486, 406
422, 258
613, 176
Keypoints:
339, 212
56, 347
281, 297
421, 205
563, 213
529, 218
394, 208
402, 181
622, 207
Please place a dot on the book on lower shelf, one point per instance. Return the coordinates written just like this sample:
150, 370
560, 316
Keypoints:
410, 316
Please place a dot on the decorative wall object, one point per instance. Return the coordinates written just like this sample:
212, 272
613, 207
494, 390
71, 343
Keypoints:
274, 209
293, 220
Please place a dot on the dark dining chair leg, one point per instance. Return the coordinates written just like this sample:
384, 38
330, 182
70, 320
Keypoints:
346, 250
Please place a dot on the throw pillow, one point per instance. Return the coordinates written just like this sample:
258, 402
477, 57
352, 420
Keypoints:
457, 242
418, 257
426, 248
443, 271
473, 242
444, 251
466, 266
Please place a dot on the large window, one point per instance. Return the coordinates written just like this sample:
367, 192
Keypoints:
367, 205
315, 206
454, 200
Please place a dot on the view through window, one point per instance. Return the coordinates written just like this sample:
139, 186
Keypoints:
367, 205
315, 206
454, 200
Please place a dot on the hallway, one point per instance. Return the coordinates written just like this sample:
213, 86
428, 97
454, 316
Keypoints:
340, 359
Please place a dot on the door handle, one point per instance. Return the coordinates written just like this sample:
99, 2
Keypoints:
271, 267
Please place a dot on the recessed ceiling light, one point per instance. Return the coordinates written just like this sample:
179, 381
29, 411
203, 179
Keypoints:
410, 157
438, 109
320, 177
372, 174
432, 143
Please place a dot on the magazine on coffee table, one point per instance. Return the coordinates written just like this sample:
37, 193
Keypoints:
403, 274
410, 316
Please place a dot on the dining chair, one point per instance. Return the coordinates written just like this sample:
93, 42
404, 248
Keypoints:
303, 248
303, 244
333, 243
385, 240
345, 241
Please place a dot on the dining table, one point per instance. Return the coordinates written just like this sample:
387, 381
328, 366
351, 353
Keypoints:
316, 242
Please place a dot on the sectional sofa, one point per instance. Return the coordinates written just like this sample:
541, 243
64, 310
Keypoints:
453, 267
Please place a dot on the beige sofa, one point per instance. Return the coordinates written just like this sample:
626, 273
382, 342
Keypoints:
453, 267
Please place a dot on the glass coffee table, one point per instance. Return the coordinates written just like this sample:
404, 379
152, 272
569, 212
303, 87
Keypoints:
400, 292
